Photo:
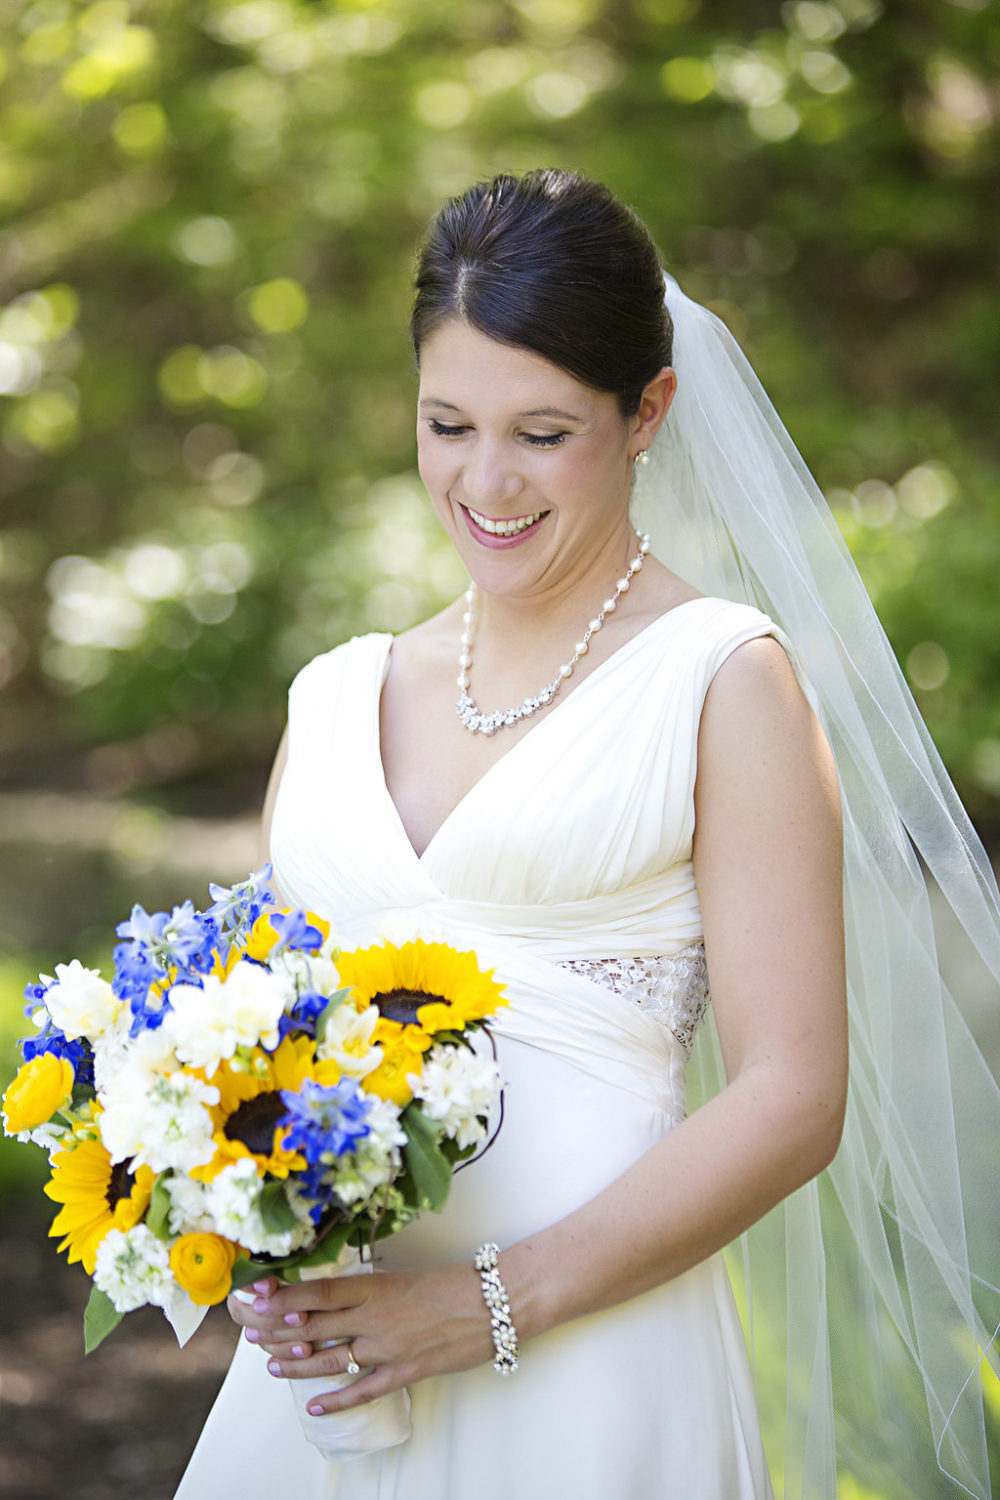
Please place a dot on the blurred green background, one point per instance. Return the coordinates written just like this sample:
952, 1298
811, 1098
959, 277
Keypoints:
209, 214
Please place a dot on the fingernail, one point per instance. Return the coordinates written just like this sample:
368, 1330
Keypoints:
293, 1319
262, 1305
261, 1286
299, 1350
251, 1335
274, 1367
315, 1410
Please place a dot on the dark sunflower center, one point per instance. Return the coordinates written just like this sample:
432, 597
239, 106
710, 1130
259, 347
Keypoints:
402, 1005
119, 1184
255, 1121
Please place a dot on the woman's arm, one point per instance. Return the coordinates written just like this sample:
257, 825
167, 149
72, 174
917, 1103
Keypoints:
768, 868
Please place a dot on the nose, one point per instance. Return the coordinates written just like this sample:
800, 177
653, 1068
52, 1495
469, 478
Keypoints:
491, 476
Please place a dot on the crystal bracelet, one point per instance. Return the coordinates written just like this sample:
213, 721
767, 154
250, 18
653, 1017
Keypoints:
495, 1296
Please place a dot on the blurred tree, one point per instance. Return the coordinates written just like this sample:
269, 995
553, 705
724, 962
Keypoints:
206, 452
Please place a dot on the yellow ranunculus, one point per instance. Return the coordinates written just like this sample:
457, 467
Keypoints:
42, 1086
203, 1265
403, 1049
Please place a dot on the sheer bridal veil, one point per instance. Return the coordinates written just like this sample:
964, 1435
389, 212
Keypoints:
872, 1295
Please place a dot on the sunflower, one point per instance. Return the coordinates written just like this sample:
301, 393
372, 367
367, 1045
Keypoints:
250, 1106
98, 1195
430, 985
418, 990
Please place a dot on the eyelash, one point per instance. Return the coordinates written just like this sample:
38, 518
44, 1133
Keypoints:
536, 439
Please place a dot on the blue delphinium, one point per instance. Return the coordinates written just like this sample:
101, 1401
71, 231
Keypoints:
304, 1013
295, 932
180, 945
237, 907
325, 1123
78, 1053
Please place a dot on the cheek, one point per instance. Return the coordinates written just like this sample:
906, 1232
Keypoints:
435, 471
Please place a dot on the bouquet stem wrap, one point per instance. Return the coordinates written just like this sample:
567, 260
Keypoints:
342, 1435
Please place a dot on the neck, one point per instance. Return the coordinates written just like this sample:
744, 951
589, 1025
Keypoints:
478, 721
555, 615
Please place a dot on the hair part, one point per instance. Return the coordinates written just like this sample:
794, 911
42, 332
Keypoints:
550, 262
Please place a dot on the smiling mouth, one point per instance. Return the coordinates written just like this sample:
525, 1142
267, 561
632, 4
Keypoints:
505, 527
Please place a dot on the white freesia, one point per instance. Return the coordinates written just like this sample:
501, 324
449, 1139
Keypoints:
168, 1127
208, 1023
80, 1002
456, 1086
133, 1269
347, 1040
233, 1200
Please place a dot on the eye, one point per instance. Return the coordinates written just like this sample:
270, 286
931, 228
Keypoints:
444, 429
545, 439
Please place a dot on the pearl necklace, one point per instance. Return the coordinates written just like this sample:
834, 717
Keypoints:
469, 713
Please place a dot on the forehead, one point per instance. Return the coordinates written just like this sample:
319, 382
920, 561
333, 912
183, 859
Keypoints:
458, 365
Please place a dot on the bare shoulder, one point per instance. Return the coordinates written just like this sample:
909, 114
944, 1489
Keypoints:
759, 730
757, 680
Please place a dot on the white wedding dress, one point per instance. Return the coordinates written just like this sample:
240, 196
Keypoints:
568, 868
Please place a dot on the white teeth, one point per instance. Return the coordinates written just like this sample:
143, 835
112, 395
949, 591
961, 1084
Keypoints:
505, 528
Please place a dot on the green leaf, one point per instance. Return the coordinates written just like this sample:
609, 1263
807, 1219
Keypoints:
429, 1167
99, 1319
245, 1271
329, 1246
158, 1213
275, 1209
335, 1001
82, 1094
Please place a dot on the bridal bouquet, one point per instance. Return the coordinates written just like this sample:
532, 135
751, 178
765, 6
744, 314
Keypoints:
243, 1099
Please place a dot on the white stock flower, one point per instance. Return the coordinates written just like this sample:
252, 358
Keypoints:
306, 971
376, 1157
233, 1200
133, 1269
347, 1040
115, 1051
190, 1208
80, 1002
456, 1086
168, 1126
50, 1136
209, 1023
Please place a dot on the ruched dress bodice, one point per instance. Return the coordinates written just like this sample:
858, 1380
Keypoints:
568, 868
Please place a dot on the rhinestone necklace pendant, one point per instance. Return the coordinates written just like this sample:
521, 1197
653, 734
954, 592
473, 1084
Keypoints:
471, 716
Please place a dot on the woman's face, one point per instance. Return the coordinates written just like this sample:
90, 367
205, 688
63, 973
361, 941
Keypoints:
527, 468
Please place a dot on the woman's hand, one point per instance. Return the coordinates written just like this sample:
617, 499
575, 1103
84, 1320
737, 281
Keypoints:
405, 1325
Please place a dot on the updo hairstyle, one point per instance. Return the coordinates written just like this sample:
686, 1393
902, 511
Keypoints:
553, 263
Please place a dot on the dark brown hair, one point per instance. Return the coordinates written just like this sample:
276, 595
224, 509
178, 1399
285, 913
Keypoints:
553, 263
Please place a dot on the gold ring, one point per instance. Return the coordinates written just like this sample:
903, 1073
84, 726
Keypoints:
353, 1368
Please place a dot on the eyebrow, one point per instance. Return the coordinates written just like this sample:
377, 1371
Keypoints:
541, 411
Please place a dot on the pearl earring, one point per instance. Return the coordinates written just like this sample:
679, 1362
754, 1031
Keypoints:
642, 457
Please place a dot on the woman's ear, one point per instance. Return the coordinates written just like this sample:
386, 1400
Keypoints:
653, 407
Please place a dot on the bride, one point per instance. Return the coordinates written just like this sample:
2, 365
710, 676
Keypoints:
633, 799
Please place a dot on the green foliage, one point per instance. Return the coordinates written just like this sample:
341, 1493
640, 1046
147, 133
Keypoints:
276, 1212
211, 211
99, 1320
428, 1167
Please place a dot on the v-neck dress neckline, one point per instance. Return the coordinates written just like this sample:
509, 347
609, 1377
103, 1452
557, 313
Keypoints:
604, 668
